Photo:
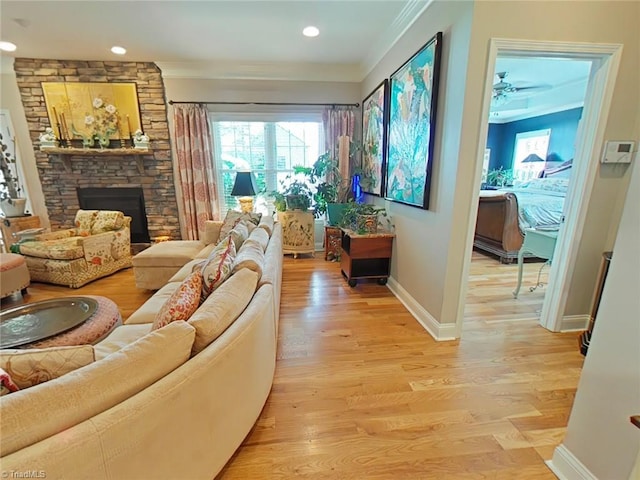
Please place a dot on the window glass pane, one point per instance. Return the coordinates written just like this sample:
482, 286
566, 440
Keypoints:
530, 153
269, 149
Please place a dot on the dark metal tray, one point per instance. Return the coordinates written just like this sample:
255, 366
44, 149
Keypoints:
35, 321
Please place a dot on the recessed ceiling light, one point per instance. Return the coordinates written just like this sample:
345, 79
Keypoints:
7, 46
119, 50
311, 31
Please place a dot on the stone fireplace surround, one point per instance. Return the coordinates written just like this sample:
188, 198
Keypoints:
59, 185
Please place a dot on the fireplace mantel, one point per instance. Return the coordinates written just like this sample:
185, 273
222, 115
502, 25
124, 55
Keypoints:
67, 153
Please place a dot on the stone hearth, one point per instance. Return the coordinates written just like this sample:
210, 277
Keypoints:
59, 185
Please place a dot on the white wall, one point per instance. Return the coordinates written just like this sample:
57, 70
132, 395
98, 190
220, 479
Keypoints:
10, 100
599, 434
202, 90
599, 22
423, 237
429, 257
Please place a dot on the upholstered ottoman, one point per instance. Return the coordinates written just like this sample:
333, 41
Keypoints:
153, 267
14, 274
95, 328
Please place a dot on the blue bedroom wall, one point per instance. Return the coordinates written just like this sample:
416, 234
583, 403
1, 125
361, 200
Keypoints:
502, 136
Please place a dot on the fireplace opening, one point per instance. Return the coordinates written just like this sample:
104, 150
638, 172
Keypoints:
129, 200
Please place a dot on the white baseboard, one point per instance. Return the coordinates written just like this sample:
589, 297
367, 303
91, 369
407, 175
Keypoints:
574, 323
566, 466
436, 330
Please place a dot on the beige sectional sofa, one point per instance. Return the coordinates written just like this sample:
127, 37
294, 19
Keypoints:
164, 404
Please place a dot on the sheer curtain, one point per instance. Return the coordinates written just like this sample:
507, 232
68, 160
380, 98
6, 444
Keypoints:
192, 142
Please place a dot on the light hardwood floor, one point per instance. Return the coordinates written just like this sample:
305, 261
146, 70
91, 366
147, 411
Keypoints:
491, 286
361, 390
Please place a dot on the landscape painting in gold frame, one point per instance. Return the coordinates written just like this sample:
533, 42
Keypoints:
79, 109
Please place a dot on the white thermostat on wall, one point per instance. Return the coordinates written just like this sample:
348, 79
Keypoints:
617, 152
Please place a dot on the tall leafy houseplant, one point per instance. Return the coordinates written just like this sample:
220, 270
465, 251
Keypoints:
330, 187
10, 201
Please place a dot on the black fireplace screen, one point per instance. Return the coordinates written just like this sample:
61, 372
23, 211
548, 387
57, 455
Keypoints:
129, 200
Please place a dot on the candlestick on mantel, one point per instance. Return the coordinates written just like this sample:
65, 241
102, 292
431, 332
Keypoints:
119, 124
57, 122
130, 131
65, 130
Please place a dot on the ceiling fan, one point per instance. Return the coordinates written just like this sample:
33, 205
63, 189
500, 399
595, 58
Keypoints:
503, 90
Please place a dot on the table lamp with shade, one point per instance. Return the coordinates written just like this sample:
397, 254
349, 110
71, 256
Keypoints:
533, 158
244, 187
532, 169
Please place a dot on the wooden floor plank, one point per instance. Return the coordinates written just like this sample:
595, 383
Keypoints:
361, 390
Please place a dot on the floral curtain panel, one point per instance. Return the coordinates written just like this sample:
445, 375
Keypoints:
193, 142
339, 123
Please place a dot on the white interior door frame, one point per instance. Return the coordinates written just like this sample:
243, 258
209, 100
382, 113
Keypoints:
605, 62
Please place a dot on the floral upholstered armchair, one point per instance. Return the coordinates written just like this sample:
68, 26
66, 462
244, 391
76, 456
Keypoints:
99, 245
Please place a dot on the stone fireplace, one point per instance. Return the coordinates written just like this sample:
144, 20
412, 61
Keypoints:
63, 176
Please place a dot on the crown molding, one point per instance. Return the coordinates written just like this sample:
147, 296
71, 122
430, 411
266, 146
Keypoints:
316, 72
407, 16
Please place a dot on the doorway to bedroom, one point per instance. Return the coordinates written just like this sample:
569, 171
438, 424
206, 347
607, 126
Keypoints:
534, 117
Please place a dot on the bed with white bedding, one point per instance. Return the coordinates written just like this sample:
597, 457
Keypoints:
504, 214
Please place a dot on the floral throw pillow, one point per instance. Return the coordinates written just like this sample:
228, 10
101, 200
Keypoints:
218, 267
7, 385
106, 221
84, 221
182, 302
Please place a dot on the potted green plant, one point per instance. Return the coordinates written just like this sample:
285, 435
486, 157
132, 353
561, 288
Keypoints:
279, 202
297, 195
499, 177
332, 191
11, 202
364, 218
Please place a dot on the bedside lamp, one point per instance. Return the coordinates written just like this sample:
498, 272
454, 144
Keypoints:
532, 157
245, 188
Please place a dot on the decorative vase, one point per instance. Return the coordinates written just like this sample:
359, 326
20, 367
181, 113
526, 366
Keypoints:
103, 141
15, 208
87, 142
356, 189
367, 223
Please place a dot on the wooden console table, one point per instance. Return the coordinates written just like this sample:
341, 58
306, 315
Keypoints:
539, 243
12, 225
366, 256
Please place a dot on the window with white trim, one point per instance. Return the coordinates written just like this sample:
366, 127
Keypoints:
269, 149
527, 143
